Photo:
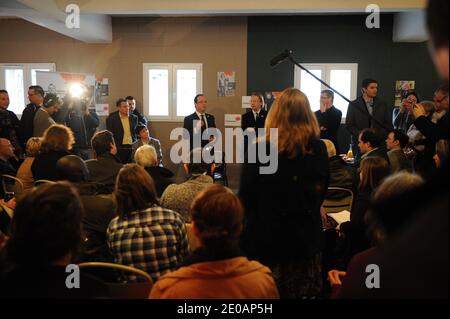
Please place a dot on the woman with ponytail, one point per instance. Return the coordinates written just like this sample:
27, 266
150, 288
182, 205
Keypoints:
217, 269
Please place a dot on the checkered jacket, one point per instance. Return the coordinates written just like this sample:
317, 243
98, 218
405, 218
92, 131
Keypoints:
154, 240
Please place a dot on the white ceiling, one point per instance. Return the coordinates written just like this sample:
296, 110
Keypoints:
96, 14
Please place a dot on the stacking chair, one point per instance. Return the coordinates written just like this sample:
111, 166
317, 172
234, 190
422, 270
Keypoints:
12, 184
138, 290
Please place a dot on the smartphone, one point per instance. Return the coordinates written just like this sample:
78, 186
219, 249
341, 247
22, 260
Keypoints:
8, 196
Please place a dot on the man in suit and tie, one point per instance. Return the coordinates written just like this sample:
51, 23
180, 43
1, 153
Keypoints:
204, 121
254, 119
123, 126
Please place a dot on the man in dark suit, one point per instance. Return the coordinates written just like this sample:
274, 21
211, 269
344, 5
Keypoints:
123, 126
362, 112
36, 97
370, 144
329, 118
204, 121
254, 119
132, 103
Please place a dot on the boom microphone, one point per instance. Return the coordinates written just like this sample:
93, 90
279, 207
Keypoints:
280, 58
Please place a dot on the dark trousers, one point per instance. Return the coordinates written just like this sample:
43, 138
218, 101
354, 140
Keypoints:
124, 153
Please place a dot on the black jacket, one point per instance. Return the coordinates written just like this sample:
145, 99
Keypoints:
44, 165
283, 221
248, 120
342, 175
189, 126
330, 120
26, 122
162, 177
357, 117
114, 125
83, 127
99, 210
431, 130
141, 118
104, 169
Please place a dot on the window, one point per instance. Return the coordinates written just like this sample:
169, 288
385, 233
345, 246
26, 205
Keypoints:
17, 78
169, 90
341, 77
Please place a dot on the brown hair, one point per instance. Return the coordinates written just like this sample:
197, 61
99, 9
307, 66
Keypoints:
296, 123
217, 214
373, 171
134, 190
33, 146
57, 138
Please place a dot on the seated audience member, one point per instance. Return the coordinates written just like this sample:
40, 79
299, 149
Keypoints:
6, 153
105, 166
56, 143
43, 115
146, 157
341, 175
144, 138
24, 173
379, 231
145, 235
9, 124
403, 116
178, 197
45, 235
99, 210
218, 269
441, 155
372, 171
370, 144
395, 143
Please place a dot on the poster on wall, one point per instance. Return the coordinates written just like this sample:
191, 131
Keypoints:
402, 87
226, 83
102, 96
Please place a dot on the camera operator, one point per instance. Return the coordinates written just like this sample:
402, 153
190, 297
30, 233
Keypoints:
83, 121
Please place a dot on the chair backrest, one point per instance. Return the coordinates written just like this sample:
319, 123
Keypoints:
43, 181
193, 241
12, 184
338, 199
139, 290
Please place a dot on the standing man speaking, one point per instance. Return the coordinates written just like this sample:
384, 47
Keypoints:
204, 121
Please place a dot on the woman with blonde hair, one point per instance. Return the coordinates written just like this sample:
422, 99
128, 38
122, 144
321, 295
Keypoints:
217, 269
283, 228
24, 173
56, 143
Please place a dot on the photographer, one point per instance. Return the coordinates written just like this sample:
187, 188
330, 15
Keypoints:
83, 121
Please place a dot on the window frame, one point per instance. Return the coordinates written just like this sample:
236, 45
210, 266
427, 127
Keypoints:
172, 82
27, 76
326, 71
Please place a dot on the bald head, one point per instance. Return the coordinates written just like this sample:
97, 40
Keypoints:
72, 168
